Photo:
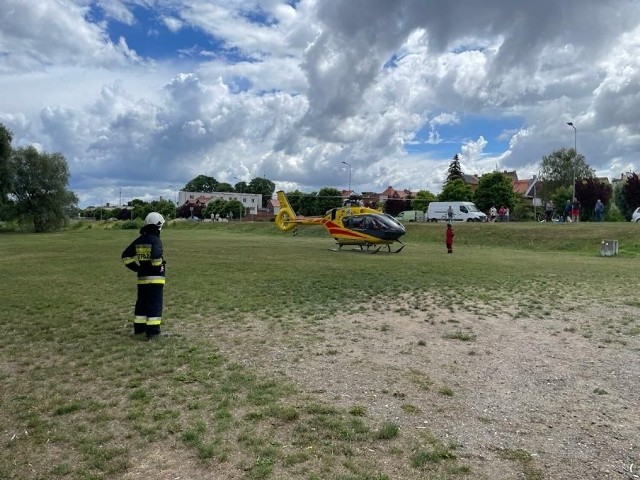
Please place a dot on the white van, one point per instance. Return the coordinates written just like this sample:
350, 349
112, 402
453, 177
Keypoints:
462, 212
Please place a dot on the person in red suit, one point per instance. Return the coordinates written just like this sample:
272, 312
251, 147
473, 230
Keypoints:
449, 238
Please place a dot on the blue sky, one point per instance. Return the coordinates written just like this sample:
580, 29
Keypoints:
496, 131
151, 38
141, 96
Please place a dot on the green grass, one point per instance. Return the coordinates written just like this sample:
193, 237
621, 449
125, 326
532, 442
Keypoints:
529, 472
82, 398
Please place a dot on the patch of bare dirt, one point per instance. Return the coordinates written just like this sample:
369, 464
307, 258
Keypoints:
561, 387
168, 462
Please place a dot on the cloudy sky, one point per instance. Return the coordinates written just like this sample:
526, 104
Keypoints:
141, 96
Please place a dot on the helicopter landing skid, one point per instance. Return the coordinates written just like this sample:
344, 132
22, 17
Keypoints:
399, 248
369, 248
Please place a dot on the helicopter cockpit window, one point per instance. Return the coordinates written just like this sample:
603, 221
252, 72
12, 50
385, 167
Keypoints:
357, 223
376, 224
388, 222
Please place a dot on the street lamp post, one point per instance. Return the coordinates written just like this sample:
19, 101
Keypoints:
349, 165
175, 211
575, 156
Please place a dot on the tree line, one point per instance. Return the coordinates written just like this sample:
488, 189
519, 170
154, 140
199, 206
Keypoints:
557, 173
137, 208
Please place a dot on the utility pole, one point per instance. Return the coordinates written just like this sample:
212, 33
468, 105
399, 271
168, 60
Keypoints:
575, 156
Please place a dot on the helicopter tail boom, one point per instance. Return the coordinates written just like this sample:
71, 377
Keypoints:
286, 219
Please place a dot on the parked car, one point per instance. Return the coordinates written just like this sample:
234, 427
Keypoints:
635, 216
411, 216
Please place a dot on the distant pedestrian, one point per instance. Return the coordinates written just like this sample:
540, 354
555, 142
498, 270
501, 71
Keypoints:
575, 210
548, 211
450, 214
448, 238
501, 212
493, 213
599, 210
567, 211
506, 214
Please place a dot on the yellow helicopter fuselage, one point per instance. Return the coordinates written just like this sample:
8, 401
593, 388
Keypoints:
348, 225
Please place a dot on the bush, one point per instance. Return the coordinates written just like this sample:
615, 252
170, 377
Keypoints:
613, 214
522, 213
80, 225
131, 225
10, 226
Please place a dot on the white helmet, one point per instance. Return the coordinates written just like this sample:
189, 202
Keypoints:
154, 218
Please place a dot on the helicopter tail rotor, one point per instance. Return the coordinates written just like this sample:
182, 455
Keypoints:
285, 218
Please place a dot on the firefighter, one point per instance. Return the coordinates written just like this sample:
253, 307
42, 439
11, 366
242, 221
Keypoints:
144, 256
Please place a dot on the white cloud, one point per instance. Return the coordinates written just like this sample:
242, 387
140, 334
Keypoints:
293, 96
172, 23
445, 119
39, 34
117, 10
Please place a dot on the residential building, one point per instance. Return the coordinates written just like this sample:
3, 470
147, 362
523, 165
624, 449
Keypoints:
471, 180
250, 201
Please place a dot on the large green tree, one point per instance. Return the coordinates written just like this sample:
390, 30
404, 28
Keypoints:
629, 197
224, 187
6, 173
295, 200
454, 171
455, 190
422, 200
224, 208
589, 191
214, 207
559, 198
164, 207
327, 199
494, 189
40, 188
241, 187
262, 186
303, 203
201, 183
557, 170
235, 208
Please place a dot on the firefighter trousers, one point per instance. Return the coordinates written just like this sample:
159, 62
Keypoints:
148, 309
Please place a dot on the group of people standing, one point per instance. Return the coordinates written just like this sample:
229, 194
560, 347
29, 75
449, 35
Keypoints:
571, 211
501, 214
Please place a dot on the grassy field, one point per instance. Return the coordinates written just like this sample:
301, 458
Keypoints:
83, 399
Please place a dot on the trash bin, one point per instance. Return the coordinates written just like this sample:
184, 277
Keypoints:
608, 248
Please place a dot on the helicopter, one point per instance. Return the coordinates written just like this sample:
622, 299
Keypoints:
351, 224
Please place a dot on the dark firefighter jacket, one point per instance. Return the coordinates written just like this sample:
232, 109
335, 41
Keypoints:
144, 256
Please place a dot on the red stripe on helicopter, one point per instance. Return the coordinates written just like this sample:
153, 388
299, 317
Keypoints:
346, 233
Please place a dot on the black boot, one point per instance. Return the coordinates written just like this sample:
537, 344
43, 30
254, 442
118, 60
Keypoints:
153, 331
